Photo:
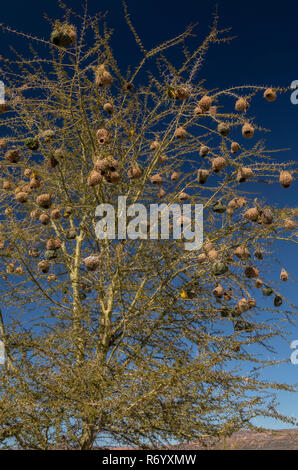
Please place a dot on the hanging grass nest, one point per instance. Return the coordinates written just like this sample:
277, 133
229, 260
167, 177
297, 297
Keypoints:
113, 177
6, 185
267, 216
248, 131
290, 224
103, 136
244, 174
225, 312
202, 258
258, 283
156, 179
218, 292
223, 129
252, 214
33, 253
251, 271
8, 211
203, 175
24, 188
284, 275
128, 86
251, 302
243, 305
135, 172
218, 164
50, 254
155, 145
44, 266
35, 214
242, 252
22, 197
180, 133
107, 167
92, 262
270, 95
228, 294
10, 268
219, 207
267, 291
53, 244
175, 175
235, 147
71, 234
3, 108
183, 197
161, 193
237, 203
182, 93
285, 179
108, 108
56, 214
219, 268
241, 104
212, 110
12, 156
242, 325
102, 165
204, 150
52, 161
47, 135
277, 301
205, 103
27, 172
34, 182
44, 201
3, 143
59, 153
44, 219
63, 35
94, 178
258, 254
103, 78
212, 254
198, 110
32, 143
162, 158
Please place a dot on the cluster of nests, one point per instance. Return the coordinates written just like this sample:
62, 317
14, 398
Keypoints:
64, 35
250, 272
219, 163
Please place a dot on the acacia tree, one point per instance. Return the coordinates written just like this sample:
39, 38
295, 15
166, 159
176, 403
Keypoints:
134, 340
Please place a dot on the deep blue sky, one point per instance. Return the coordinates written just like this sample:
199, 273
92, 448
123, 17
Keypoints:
264, 52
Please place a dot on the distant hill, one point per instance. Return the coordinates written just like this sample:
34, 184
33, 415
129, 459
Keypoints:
285, 439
